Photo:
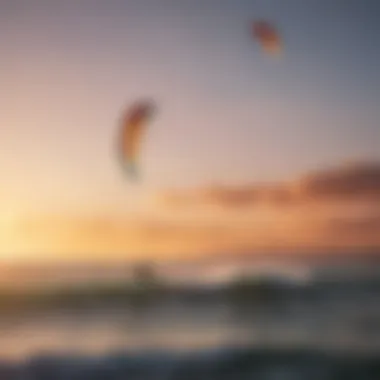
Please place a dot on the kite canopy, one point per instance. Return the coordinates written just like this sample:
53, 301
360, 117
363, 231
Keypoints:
268, 37
133, 125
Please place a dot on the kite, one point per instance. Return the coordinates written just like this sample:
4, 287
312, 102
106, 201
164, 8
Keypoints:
267, 36
133, 126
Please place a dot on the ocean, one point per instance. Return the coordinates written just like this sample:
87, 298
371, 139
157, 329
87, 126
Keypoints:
319, 330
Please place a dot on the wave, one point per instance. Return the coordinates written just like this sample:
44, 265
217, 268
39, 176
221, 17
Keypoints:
222, 364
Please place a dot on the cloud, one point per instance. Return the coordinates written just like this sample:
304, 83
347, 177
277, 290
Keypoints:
368, 226
302, 215
360, 182
106, 239
230, 197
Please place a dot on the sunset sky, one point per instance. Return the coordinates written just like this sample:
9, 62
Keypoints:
238, 157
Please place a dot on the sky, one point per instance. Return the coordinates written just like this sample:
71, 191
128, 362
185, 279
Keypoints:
228, 115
